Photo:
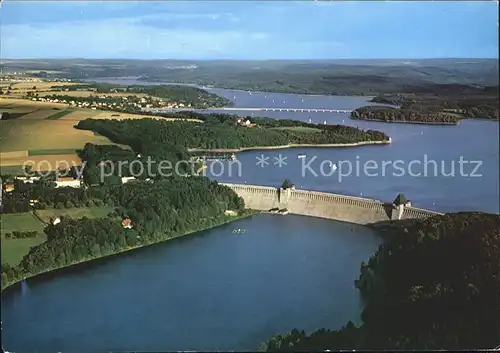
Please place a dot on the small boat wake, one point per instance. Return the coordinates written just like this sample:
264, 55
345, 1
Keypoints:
332, 165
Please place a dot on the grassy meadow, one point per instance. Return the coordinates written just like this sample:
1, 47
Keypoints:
77, 212
13, 250
11, 169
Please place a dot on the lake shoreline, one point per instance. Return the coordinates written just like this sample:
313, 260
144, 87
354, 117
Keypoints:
292, 145
248, 213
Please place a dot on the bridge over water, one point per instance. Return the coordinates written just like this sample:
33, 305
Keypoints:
325, 205
285, 109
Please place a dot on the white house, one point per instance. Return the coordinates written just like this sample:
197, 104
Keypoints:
127, 179
127, 223
68, 182
28, 179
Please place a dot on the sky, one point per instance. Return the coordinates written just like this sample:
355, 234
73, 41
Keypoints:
252, 30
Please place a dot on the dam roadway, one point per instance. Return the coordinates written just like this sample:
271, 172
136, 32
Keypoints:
325, 205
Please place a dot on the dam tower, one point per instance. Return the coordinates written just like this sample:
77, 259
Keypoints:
398, 206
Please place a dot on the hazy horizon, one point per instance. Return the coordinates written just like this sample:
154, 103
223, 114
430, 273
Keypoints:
250, 31
403, 60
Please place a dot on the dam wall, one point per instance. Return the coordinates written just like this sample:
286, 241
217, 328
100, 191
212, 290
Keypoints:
323, 205
413, 212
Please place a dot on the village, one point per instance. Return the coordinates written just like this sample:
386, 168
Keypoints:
95, 96
109, 102
21, 183
59, 182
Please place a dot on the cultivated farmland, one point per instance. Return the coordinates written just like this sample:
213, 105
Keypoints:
45, 162
22, 135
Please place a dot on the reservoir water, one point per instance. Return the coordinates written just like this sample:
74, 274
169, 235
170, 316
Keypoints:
221, 290
215, 290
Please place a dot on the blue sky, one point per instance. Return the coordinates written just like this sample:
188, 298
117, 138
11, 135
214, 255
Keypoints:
249, 29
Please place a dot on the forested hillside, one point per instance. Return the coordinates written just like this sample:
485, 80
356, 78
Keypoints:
433, 284
349, 77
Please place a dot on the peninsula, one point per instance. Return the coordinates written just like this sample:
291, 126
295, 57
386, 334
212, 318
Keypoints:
178, 140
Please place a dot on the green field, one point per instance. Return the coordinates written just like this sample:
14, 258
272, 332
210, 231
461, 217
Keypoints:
297, 128
59, 115
11, 170
19, 221
54, 151
13, 250
89, 212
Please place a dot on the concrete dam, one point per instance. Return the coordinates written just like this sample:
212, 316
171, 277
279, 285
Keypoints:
326, 205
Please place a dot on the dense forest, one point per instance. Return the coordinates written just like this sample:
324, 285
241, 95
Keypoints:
435, 103
433, 284
158, 211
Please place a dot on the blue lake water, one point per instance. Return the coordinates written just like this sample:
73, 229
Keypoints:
220, 290
215, 290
